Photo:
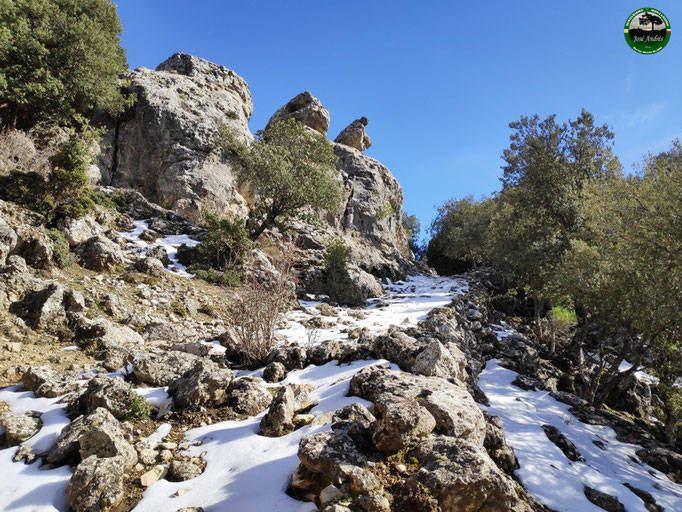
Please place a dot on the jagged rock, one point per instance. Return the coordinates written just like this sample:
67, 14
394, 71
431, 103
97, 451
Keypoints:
111, 393
440, 361
649, 501
99, 253
603, 500
195, 348
150, 265
274, 372
8, 240
96, 485
164, 146
292, 356
335, 507
77, 231
114, 343
563, 443
335, 455
205, 383
401, 423
183, 470
160, 253
326, 351
289, 400
34, 246
305, 108
97, 433
461, 476
48, 307
397, 347
19, 426
248, 396
354, 135
364, 286
330, 494
450, 404
47, 382
162, 369
496, 446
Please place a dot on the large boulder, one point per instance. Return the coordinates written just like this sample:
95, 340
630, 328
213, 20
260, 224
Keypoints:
441, 361
454, 410
34, 245
96, 485
163, 147
305, 108
461, 476
248, 396
77, 231
99, 253
97, 433
113, 342
162, 369
354, 135
401, 423
18, 426
206, 383
47, 308
112, 393
47, 382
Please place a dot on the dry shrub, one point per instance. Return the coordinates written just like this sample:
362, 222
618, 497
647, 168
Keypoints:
258, 306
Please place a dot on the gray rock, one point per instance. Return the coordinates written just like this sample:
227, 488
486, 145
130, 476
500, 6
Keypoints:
77, 231
99, 253
183, 470
47, 308
373, 503
335, 455
97, 433
603, 500
401, 423
305, 108
496, 445
153, 475
8, 240
47, 382
164, 147
113, 342
205, 383
161, 369
354, 135
289, 400
19, 426
248, 396
563, 443
34, 246
438, 361
96, 485
461, 476
274, 372
397, 347
159, 252
450, 404
150, 265
292, 356
111, 393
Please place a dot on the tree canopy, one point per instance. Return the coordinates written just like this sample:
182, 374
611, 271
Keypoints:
58, 58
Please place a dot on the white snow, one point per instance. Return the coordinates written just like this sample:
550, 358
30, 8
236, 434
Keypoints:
544, 470
168, 242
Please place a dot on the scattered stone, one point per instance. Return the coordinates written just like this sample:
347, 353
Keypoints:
112, 393
161, 369
330, 494
274, 372
153, 475
19, 426
205, 383
373, 503
99, 254
47, 382
563, 443
289, 400
248, 396
603, 500
183, 470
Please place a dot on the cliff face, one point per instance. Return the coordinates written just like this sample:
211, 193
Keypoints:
162, 147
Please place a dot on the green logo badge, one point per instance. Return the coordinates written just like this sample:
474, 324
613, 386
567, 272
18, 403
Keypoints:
647, 30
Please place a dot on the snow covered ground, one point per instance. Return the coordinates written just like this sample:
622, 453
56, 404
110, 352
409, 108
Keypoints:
168, 242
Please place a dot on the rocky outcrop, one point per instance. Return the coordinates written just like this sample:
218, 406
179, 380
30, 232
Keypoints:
289, 400
354, 135
17, 427
163, 146
163, 368
306, 109
205, 383
96, 484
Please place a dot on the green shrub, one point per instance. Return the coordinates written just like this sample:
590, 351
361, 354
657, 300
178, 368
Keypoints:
58, 59
139, 407
61, 254
224, 277
338, 284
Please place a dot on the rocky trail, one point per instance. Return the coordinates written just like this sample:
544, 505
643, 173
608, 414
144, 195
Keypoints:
441, 438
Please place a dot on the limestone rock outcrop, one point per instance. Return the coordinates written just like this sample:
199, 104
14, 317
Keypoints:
162, 146
305, 108
354, 135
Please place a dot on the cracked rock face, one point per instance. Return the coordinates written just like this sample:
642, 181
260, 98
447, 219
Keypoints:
163, 147
96, 484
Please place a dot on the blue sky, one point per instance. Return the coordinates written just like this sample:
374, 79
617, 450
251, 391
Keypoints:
439, 80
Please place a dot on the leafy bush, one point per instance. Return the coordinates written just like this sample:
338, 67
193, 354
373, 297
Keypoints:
293, 170
139, 407
224, 277
58, 59
411, 228
61, 254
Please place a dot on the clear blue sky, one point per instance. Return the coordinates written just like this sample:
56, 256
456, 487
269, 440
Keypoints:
439, 80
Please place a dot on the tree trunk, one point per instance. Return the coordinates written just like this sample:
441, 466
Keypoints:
268, 221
